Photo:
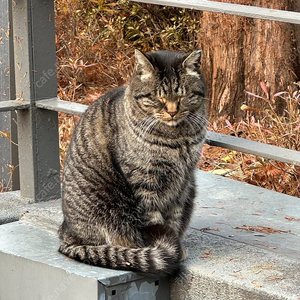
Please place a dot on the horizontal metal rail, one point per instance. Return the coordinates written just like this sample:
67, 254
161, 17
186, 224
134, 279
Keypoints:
252, 147
10, 105
62, 106
232, 9
212, 138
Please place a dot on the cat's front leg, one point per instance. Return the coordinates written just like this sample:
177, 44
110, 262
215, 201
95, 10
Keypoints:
174, 219
179, 215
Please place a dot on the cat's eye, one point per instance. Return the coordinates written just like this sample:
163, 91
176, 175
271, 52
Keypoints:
164, 100
149, 104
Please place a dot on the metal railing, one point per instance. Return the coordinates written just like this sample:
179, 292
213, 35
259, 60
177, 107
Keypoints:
32, 31
32, 53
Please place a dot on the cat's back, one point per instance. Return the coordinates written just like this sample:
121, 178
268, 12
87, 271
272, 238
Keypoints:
100, 117
104, 107
93, 135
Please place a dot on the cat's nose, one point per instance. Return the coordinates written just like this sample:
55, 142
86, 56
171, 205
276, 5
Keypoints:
172, 113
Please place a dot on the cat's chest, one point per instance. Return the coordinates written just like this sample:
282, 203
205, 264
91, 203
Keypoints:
156, 164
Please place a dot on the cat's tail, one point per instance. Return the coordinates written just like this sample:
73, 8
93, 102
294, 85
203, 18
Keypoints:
162, 258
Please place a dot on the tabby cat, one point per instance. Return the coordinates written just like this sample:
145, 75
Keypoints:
128, 182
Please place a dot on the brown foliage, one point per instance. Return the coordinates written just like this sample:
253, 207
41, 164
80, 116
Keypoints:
282, 131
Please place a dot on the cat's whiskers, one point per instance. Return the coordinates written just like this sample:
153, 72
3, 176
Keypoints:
147, 126
192, 127
151, 126
198, 121
142, 124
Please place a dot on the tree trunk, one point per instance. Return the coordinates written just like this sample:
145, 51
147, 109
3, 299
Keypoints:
240, 52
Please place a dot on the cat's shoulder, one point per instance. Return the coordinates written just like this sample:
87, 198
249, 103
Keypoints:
103, 109
111, 96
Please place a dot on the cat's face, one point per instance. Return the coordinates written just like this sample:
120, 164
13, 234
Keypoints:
168, 85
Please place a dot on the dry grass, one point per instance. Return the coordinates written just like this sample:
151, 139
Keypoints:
95, 40
282, 131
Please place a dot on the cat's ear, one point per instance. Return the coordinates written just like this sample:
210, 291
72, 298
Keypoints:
143, 66
192, 63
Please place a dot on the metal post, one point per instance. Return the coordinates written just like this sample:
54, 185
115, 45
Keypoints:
15, 179
9, 172
35, 72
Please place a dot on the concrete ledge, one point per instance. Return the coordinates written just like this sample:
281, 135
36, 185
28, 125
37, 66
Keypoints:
222, 269
32, 268
12, 206
43, 214
243, 243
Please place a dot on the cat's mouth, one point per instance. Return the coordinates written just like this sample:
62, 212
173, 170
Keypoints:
170, 121
167, 119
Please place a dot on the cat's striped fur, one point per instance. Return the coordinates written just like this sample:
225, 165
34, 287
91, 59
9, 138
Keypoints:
128, 183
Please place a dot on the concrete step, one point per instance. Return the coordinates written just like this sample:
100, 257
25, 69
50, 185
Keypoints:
31, 268
243, 243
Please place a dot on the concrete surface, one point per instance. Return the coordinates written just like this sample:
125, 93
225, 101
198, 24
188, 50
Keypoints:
243, 243
226, 206
12, 206
218, 268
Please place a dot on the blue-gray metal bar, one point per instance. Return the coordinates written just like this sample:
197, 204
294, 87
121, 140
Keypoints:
15, 179
254, 148
11, 105
8, 146
62, 106
35, 72
5, 125
232, 9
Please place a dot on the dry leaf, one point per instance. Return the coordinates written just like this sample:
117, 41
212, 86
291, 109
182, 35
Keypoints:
264, 88
259, 285
206, 254
292, 219
263, 229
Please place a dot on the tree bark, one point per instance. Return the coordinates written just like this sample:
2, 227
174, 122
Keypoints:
240, 52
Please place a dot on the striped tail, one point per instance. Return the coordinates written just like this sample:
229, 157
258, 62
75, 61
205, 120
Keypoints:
160, 259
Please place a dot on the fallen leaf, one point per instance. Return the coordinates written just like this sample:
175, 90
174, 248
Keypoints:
221, 171
275, 278
259, 285
206, 254
292, 219
263, 229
